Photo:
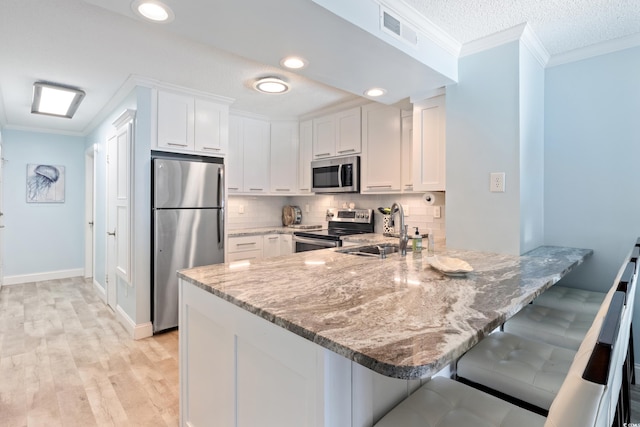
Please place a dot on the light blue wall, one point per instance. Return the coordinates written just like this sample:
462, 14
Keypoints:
531, 151
592, 158
483, 137
42, 237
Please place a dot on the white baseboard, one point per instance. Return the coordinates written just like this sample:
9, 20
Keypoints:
100, 291
137, 332
40, 277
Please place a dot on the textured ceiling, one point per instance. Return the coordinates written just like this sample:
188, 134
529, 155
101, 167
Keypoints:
561, 25
77, 43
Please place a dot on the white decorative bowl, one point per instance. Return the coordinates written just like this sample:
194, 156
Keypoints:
449, 266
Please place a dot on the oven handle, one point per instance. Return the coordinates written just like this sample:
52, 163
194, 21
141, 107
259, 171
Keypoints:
325, 243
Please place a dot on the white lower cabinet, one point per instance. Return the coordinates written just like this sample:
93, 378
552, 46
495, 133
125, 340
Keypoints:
270, 245
244, 248
286, 244
237, 369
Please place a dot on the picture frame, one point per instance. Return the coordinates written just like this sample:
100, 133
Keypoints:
45, 183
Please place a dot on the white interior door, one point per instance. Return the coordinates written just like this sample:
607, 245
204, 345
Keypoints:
89, 191
111, 285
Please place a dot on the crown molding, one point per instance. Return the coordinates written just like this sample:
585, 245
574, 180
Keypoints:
531, 41
522, 33
595, 50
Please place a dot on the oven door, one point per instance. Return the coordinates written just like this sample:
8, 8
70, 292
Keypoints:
304, 244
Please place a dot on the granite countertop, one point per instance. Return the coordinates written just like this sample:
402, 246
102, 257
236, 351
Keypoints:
397, 316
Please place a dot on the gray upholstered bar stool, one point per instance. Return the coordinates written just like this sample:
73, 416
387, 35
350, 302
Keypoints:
526, 371
582, 401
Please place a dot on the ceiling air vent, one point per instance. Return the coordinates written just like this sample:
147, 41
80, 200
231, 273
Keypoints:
393, 24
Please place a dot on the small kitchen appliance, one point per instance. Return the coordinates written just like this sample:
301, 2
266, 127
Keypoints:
341, 222
339, 175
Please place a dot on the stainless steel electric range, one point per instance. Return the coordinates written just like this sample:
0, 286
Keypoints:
342, 222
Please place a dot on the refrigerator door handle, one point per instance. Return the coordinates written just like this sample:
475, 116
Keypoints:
221, 205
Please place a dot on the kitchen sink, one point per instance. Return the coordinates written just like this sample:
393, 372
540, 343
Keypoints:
377, 251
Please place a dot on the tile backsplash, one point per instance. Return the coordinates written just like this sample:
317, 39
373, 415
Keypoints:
266, 211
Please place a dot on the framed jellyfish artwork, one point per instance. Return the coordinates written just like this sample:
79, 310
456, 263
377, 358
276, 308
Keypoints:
45, 183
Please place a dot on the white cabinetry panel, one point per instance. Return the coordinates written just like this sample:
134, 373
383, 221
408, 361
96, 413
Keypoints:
304, 157
191, 125
381, 149
338, 134
284, 157
429, 138
249, 151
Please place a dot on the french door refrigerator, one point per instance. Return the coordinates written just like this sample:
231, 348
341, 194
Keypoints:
188, 226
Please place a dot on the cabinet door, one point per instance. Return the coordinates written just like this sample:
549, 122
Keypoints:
429, 121
324, 137
286, 244
211, 127
175, 121
406, 165
271, 245
256, 152
304, 157
381, 153
348, 137
284, 157
235, 160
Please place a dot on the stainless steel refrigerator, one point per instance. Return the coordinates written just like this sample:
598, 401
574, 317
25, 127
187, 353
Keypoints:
188, 227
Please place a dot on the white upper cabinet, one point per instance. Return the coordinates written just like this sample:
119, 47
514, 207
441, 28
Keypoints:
407, 151
348, 137
211, 127
284, 157
248, 164
190, 124
338, 134
381, 149
304, 157
429, 137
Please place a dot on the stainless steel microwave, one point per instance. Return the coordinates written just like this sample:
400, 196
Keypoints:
339, 175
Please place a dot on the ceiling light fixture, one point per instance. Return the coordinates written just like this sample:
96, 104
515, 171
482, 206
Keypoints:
153, 10
294, 62
375, 92
271, 85
55, 100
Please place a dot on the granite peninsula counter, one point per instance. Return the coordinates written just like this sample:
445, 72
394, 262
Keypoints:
397, 317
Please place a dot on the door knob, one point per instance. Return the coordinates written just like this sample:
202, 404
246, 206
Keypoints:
112, 234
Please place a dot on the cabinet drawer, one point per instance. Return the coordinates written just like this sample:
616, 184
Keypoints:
244, 255
245, 243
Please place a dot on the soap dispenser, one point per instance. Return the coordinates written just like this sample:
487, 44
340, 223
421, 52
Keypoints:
417, 241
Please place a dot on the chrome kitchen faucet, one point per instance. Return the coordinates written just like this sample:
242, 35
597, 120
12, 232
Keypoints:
404, 233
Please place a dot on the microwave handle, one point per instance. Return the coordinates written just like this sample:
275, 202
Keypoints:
340, 176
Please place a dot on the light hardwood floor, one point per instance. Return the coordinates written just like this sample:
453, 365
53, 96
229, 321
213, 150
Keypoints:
66, 361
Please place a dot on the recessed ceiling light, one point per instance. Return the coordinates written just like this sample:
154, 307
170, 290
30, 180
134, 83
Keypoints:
294, 62
153, 10
271, 85
55, 100
375, 92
